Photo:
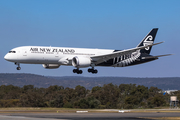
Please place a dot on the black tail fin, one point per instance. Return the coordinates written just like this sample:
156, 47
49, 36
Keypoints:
149, 39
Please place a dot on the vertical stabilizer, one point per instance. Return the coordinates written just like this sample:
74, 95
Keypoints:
149, 39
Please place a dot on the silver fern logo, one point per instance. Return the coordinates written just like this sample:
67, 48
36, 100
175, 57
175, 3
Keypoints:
127, 59
148, 41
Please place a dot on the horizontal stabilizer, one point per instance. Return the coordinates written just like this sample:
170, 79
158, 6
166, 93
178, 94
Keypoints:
151, 57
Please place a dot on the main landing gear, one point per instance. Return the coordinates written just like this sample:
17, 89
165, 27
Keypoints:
18, 68
92, 70
77, 71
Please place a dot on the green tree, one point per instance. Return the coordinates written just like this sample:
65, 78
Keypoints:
96, 88
32, 99
93, 102
108, 95
153, 91
80, 92
156, 101
57, 102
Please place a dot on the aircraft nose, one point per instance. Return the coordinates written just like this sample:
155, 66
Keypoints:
6, 57
10, 57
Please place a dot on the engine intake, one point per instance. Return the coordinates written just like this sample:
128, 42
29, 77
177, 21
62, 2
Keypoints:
80, 62
51, 66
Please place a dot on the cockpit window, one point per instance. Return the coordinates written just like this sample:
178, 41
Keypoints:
12, 51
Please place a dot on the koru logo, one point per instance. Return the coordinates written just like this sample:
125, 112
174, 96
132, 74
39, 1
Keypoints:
148, 41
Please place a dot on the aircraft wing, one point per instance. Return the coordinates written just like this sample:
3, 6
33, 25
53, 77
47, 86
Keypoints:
103, 58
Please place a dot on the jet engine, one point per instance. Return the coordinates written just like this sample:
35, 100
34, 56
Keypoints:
80, 62
51, 66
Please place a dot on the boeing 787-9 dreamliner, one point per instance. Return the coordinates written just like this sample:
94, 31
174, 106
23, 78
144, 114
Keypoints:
53, 57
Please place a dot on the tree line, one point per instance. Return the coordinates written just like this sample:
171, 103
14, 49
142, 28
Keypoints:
126, 96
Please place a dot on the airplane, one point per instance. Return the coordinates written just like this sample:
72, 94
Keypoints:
54, 57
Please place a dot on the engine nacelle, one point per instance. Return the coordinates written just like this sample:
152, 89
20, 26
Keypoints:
80, 62
51, 66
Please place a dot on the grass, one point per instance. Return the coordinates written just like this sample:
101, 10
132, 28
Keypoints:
73, 110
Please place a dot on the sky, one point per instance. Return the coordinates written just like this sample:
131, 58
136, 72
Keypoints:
103, 24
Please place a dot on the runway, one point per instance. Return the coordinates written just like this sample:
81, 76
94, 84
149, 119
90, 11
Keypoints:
89, 116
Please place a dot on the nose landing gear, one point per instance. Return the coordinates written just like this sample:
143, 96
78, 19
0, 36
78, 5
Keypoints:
18, 68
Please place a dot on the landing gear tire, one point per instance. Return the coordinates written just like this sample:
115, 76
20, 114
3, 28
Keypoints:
18, 68
92, 71
77, 71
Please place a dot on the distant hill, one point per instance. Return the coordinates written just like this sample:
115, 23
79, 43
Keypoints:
88, 82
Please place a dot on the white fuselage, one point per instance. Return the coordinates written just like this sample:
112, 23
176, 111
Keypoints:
50, 55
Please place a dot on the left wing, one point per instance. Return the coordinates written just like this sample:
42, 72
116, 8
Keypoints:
103, 58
